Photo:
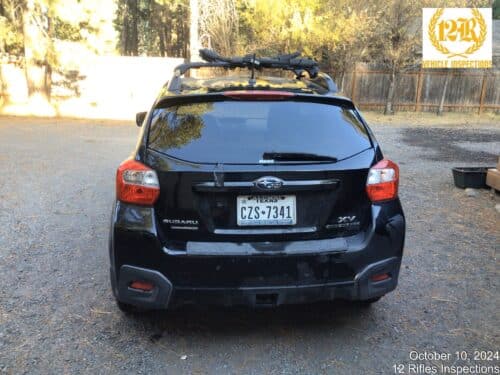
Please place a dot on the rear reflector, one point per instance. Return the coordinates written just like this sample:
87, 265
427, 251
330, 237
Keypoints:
258, 95
380, 277
136, 183
145, 286
383, 181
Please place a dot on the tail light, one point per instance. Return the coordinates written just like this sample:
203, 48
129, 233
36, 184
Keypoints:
383, 181
258, 95
136, 183
380, 277
144, 286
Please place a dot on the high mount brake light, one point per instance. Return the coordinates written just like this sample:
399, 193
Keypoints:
136, 183
258, 95
383, 181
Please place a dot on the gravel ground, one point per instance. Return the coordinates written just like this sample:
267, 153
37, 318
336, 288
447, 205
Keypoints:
57, 314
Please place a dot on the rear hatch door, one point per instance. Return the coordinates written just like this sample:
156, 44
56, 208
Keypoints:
234, 170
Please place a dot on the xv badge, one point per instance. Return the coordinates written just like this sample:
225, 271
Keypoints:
345, 219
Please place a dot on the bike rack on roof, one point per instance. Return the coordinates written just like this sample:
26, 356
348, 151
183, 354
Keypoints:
291, 62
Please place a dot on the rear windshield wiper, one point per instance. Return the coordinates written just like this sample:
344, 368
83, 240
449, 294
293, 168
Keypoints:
297, 156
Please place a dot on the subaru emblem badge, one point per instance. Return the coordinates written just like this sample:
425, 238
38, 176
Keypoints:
268, 183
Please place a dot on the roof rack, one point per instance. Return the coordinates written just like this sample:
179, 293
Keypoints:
324, 80
291, 62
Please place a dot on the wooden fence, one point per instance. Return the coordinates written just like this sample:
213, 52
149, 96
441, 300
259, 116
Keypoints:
467, 90
423, 90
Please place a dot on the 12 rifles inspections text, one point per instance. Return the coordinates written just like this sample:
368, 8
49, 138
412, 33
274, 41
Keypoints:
459, 362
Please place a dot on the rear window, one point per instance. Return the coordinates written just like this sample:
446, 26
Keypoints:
242, 131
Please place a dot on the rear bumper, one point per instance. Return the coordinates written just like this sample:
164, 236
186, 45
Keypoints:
164, 295
253, 274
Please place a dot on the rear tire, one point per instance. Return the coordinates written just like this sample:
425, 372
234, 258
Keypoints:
369, 302
129, 309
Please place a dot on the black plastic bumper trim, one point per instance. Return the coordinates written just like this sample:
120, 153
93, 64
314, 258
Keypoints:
158, 298
370, 289
361, 288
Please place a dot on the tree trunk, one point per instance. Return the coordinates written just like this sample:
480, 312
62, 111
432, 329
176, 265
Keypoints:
124, 33
159, 15
130, 28
342, 81
4, 99
497, 97
443, 94
168, 42
194, 41
134, 37
389, 103
162, 43
184, 39
3, 87
36, 45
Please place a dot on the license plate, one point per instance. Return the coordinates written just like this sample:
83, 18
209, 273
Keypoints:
266, 210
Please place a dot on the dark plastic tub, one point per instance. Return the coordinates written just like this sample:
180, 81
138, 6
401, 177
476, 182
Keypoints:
470, 177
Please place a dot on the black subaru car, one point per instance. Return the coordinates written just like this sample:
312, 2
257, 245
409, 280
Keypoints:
254, 189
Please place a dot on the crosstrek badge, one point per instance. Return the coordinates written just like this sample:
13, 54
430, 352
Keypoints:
456, 38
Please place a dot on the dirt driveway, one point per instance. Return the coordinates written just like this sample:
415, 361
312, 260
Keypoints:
57, 314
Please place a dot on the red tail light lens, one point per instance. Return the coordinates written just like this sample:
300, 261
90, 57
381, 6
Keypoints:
145, 286
380, 277
383, 181
136, 183
258, 95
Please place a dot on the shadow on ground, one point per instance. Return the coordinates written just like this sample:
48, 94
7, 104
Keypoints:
221, 321
448, 144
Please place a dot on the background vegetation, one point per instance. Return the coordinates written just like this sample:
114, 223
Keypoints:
338, 33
